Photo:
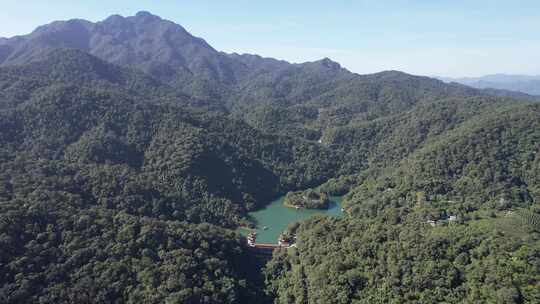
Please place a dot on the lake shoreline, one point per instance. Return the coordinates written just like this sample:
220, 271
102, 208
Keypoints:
300, 208
276, 217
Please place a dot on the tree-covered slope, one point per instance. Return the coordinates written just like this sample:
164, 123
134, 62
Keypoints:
55, 252
314, 98
159, 47
387, 140
452, 220
123, 141
150, 158
490, 161
360, 261
19, 83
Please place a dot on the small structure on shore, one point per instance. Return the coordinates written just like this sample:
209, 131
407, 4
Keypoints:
286, 241
266, 249
251, 238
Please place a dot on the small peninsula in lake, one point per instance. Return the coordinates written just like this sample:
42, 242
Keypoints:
310, 199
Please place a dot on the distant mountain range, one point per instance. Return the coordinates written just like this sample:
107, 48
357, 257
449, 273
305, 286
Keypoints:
520, 83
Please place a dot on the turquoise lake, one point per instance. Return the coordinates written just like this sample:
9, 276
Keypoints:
276, 217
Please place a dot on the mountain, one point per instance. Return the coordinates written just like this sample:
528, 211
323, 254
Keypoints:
435, 225
131, 151
94, 118
75, 67
451, 171
158, 47
498, 166
520, 83
170, 54
69, 66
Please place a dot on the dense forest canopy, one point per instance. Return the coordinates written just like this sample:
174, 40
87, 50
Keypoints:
130, 150
166, 159
55, 252
491, 260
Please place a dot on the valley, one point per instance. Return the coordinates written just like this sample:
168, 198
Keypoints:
134, 154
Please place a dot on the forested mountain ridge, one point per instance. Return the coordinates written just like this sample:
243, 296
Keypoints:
311, 98
455, 221
104, 128
161, 48
74, 67
100, 178
167, 52
128, 146
69, 66
387, 140
490, 162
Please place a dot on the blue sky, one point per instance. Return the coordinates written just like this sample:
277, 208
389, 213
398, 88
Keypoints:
426, 37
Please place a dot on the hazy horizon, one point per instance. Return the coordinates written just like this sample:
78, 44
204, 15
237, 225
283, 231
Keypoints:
432, 39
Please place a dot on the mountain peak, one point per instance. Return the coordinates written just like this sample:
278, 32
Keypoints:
147, 16
329, 63
325, 64
157, 46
